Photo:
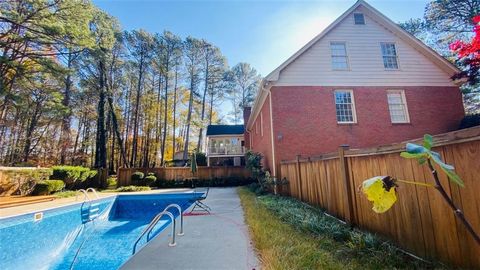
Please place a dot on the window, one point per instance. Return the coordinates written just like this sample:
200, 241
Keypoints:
261, 123
389, 54
339, 55
359, 18
345, 106
397, 106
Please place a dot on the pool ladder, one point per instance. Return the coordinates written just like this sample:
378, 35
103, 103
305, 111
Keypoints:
92, 211
156, 219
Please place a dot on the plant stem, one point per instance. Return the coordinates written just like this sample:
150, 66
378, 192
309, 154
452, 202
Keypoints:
449, 201
416, 183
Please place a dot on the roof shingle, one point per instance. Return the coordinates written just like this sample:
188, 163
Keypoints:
225, 130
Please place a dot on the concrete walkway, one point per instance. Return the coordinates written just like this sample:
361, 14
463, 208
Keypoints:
216, 241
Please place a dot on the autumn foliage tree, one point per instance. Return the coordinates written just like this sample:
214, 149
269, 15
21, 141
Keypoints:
468, 54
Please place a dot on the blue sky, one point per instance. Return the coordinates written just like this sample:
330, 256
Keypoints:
263, 33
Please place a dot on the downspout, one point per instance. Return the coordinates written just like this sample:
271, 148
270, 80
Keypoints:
273, 141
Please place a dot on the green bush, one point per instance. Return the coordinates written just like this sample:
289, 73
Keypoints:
214, 182
470, 121
137, 177
201, 159
112, 182
148, 180
48, 187
65, 194
132, 188
22, 181
72, 175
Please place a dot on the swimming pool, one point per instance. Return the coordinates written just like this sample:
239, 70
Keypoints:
66, 238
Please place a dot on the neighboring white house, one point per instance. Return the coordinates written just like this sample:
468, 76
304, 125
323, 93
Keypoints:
225, 145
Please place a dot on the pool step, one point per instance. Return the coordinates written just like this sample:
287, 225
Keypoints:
90, 213
92, 217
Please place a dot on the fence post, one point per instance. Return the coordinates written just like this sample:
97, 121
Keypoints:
299, 177
350, 215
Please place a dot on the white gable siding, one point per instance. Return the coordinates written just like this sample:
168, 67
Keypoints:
313, 67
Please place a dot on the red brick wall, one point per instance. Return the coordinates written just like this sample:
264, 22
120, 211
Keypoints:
259, 143
305, 118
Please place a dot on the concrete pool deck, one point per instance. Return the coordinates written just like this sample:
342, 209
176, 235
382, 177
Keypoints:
216, 241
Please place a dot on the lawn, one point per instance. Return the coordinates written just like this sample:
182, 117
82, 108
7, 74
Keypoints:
289, 234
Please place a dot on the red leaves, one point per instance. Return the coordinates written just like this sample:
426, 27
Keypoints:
471, 49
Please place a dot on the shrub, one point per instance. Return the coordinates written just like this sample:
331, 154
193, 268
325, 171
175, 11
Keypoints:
137, 177
201, 159
112, 182
65, 194
21, 181
148, 180
48, 187
132, 188
72, 175
214, 182
470, 121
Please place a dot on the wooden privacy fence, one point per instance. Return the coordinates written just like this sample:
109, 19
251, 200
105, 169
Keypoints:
176, 173
420, 221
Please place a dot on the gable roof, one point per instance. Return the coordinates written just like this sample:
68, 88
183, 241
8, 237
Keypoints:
273, 76
225, 130
441, 62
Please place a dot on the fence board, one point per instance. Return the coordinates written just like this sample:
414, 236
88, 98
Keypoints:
420, 221
174, 173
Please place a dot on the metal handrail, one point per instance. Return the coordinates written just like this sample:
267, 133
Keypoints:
94, 192
152, 224
86, 198
181, 233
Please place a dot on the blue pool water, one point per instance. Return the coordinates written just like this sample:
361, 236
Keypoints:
65, 239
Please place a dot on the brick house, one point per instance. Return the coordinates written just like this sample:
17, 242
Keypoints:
363, 81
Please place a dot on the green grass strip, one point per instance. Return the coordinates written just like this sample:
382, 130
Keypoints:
289, 234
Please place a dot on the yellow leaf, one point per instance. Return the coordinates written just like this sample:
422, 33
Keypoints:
375, 191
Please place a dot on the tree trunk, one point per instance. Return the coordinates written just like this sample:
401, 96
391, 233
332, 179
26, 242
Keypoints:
189, 117
117, 131
200, 136
164, 137
65, 140
29, 132
133, 159
101, 140
174, 111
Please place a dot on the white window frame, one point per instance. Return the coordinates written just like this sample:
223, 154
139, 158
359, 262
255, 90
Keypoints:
396, 55
332, 56
354, 112
364, 21
261, 123
256, 127
404, 103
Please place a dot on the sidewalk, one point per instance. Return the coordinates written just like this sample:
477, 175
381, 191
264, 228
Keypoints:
216, 241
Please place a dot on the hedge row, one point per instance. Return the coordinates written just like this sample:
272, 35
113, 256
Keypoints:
48, 187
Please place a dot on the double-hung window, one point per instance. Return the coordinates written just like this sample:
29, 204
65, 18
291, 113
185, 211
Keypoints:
345, 107
397, 106
339, 55
389, 54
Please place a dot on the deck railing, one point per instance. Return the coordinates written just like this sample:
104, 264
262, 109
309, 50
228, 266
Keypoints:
226, 150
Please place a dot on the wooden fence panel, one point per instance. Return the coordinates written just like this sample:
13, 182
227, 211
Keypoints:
420, 221
174, 173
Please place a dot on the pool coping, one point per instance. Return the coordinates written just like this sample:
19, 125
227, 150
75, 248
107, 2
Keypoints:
65, 202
